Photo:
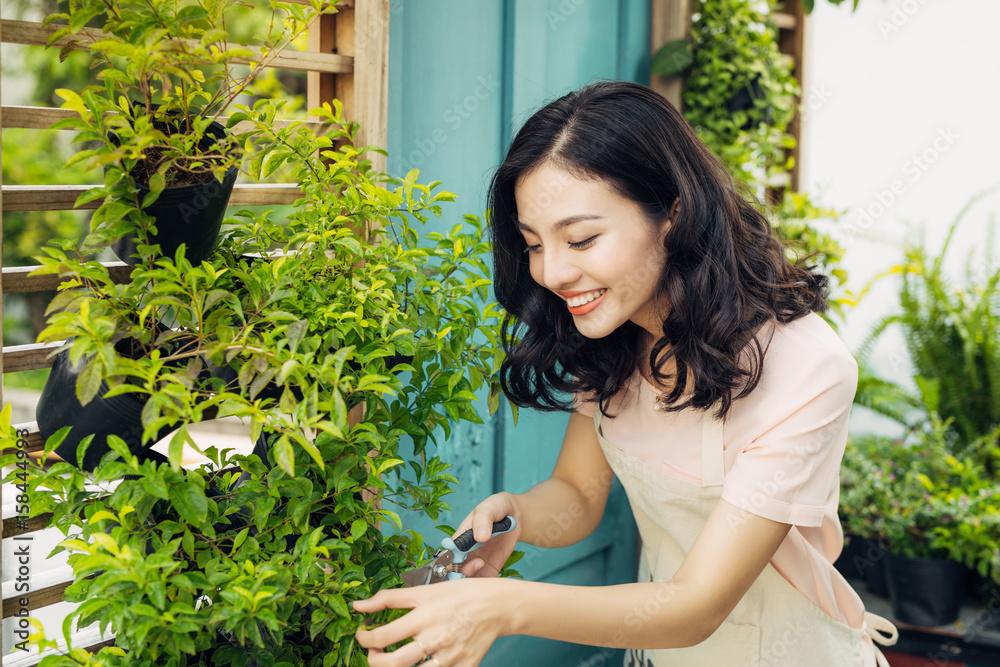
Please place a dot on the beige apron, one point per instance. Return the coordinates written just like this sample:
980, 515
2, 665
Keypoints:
774, 624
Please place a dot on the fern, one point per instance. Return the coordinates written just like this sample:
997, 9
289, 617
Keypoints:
952, 335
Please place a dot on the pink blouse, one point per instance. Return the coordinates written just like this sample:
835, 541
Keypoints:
783, 445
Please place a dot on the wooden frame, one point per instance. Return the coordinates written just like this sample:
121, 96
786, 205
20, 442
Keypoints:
347, 59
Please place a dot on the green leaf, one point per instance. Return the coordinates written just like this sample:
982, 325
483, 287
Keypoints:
82, 15
88, 382
156, 184
187, 543
493, 402
672, 58
284, 456
240, 538
295, 332
190, 502
339, 606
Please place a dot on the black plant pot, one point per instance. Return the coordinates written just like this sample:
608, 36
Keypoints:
925, 591
188, 214
743, 100
875, 577
118, 415
852, 557
864, 558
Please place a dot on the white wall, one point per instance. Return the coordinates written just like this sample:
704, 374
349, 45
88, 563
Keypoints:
902, 124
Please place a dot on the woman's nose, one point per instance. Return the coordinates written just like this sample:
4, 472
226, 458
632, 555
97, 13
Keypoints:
557, 270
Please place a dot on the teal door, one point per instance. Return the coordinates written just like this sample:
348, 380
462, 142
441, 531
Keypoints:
463, 77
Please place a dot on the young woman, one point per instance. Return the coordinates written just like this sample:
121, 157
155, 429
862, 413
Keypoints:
641, 284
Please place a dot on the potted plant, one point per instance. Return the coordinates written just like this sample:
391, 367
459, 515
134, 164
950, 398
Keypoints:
866, 470
933, 510
739, 91
194, 566
166, 75
952, 336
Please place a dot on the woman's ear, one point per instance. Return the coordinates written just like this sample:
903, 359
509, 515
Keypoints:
675, 209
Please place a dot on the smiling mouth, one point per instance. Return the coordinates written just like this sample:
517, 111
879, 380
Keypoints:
584, 299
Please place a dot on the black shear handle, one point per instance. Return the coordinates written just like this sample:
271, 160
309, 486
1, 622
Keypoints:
466, 541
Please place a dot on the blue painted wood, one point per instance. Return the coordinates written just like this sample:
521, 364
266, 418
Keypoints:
463, 76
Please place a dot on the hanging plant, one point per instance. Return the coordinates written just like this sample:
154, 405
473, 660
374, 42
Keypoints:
740, 96
739, 92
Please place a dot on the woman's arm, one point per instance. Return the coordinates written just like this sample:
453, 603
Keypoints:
457, 621
557, 512
568, 506
729, 554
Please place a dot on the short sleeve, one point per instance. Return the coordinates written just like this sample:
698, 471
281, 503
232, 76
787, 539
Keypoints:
790, 472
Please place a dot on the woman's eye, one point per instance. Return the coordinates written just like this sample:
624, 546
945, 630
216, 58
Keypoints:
580, 245
533, 248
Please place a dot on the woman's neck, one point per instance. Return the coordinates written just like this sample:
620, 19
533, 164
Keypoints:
642, 363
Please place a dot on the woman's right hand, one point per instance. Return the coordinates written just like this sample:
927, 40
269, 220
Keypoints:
487, 560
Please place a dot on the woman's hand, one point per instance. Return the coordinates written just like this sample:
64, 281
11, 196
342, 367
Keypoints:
488, 559
454, 622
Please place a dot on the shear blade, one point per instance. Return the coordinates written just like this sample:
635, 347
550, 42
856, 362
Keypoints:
416, 577
430, 573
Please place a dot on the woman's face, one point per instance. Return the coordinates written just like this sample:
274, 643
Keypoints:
593, 248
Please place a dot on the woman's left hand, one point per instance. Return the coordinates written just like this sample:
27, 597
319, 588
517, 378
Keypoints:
455, 622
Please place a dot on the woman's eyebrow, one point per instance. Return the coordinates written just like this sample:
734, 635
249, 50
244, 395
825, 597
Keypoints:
566, 222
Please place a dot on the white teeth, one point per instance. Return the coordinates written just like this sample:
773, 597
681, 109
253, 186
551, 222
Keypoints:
577, 301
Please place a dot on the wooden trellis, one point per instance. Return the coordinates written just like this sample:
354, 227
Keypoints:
347, 59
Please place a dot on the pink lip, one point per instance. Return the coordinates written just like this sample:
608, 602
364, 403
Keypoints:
587, 307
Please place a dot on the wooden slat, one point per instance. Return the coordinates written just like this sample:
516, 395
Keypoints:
62, 197
34, 441
320, 86
94, 648
13, 526
36, 599
29, 357
792, 40
2, 568
670, 20
41, 118
371, 76
341, 4
31, 33
38, 118
265, 195
1, 289
784, 21
17, 281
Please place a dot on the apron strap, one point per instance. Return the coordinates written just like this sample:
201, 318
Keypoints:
713, 465
882, 632
885, 633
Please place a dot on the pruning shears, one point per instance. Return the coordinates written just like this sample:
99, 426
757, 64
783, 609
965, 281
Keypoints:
448, 560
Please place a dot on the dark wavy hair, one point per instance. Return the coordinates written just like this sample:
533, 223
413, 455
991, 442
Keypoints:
726, 274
